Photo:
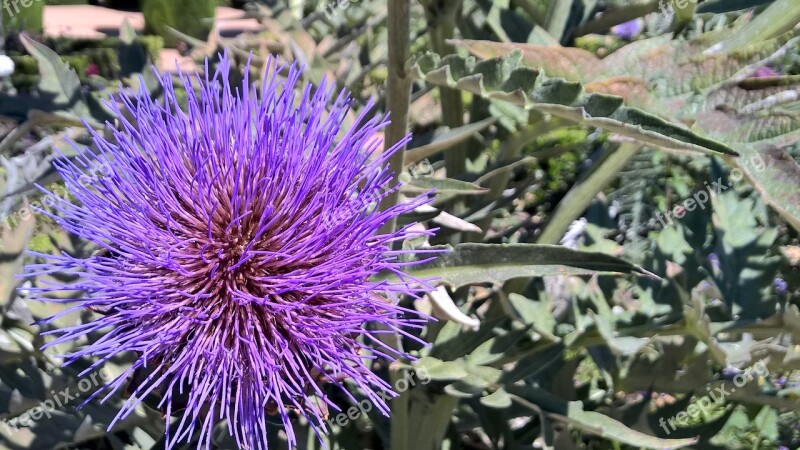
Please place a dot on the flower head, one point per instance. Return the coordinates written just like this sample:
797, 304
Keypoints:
240, 236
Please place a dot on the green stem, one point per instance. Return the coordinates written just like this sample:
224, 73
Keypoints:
398, 99
400, 417
398, 95
581, 195
616, 16
442, 17
557, 15
430, 419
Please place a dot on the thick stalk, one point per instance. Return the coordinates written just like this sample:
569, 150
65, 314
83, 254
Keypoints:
398, 93
398, 98
441, 18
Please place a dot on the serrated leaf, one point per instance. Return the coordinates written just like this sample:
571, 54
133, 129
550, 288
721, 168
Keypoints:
480, 263
507, 79
765, 163
673, 68
570, 63
537, 313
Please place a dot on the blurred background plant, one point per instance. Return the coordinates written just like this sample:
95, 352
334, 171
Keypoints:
572, 122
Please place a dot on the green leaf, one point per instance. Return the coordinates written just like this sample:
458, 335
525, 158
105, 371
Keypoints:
780, 17
440, 370
446, 140
558, 13
570, 63
598, 424
537, 313
132, 55
764, 162
57, 78
673, 68
604, 426
61, 84
468, 387
493, 349
487, 375
507, 79
498, 399
422, 184
13, 242
471, 263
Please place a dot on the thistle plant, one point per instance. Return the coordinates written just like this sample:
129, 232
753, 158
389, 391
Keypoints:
240, 240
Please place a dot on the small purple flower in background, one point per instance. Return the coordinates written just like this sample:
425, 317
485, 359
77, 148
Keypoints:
628, 30
241, 239
714, 260
780, 285
765, 72
92, 70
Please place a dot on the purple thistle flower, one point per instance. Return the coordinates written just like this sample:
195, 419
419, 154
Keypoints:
241, 239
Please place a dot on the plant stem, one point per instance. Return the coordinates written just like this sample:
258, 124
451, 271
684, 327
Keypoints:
398, 98
617, 16
442, 17
398, 95
581, 195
